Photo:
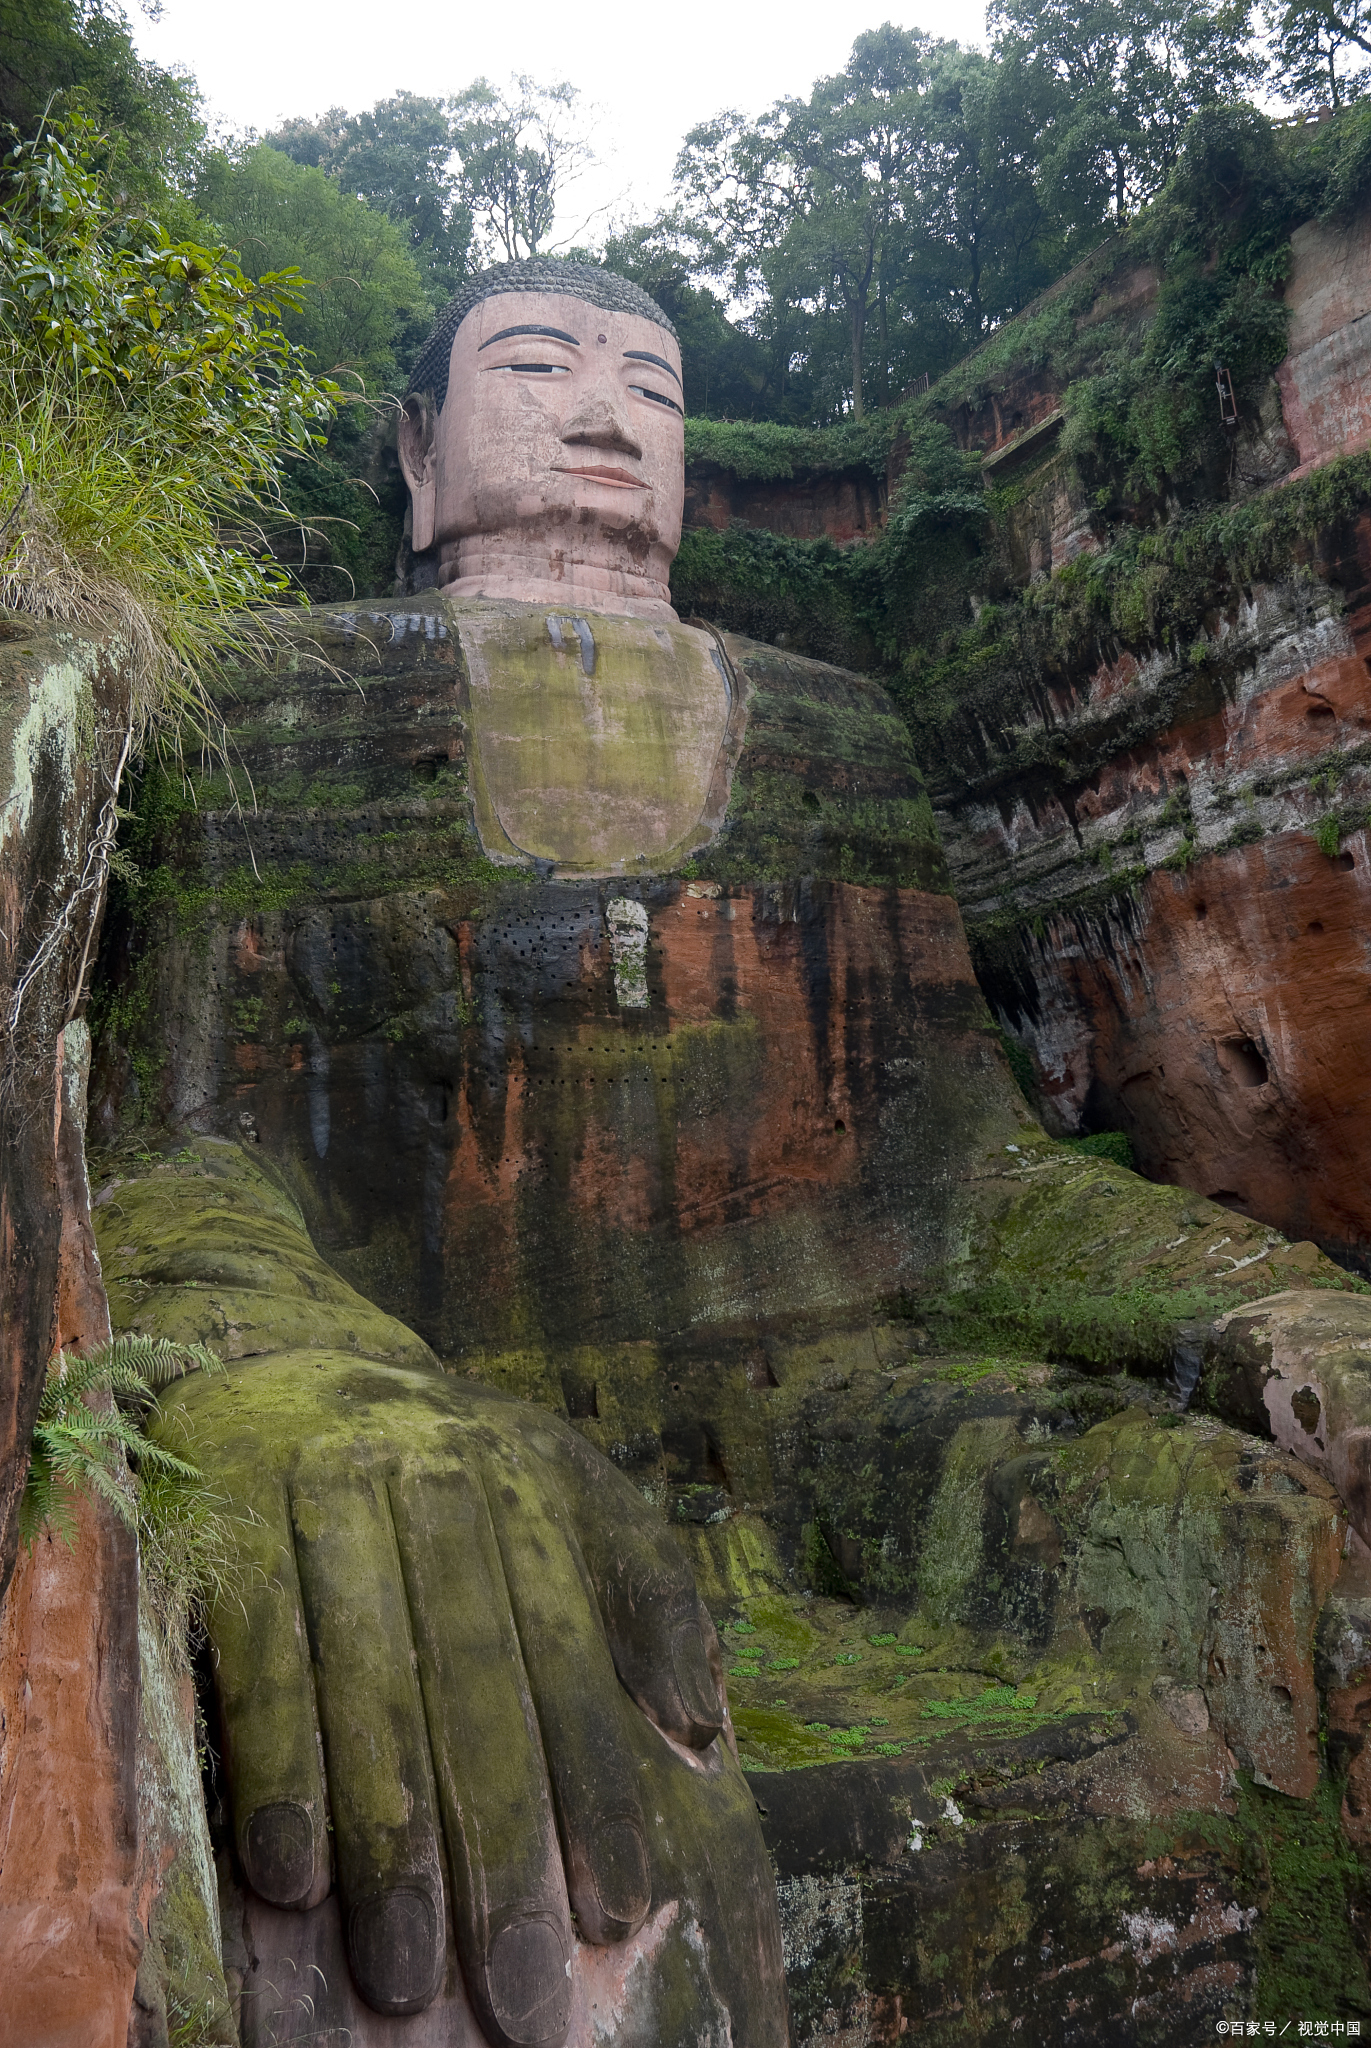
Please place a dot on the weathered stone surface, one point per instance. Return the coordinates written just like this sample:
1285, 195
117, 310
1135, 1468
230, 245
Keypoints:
601, 745
1324, 387
485, 1133
298, 1441
70, 1694
1297, 1368
180, 1990
841, 503
1159, 849
1343, 1671
1035, 1738
107, 1909
1051, 1218
64, 729
69, 1704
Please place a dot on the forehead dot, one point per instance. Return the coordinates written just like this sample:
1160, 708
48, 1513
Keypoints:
602, 337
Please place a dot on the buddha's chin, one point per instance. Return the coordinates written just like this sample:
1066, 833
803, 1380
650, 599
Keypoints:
571, 567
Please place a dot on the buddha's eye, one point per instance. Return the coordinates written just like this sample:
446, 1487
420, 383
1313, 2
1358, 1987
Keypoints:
657, 397
533, 369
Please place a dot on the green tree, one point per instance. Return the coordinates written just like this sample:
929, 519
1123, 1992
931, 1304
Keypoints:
853, 150
1319, 51
360, 282
400, 158
983, 240
362, 313
518, 151
1124, 79
734, 203
78, 56
810, 204
886, 222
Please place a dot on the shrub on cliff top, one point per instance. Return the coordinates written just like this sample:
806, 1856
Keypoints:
149, 401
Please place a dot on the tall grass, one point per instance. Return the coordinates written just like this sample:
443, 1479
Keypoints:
150, 402
149, 406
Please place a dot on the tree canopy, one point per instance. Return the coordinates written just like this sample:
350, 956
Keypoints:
821, 258
399, 159
360, 285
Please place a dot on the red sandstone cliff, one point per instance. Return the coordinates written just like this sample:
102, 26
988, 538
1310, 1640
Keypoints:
1137, 849
99, 1784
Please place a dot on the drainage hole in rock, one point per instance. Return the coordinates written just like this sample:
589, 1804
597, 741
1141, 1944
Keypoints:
1244, 1059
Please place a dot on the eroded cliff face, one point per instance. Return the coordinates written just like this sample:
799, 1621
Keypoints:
64, 728
841, 504
69, 1691
1161, 853
107, 1910
1190, 966
1325, 398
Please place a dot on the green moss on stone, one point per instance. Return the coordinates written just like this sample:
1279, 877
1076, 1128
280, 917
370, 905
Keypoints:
1311, 1963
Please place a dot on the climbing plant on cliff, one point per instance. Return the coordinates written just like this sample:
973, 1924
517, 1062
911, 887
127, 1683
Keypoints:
150, 401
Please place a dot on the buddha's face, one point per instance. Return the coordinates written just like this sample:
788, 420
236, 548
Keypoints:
557, 462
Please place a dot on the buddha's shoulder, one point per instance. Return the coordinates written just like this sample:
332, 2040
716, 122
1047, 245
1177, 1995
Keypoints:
369, 731
379, 635
817, 704
413, 661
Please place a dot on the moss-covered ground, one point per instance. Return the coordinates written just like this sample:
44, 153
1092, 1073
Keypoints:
816, 1681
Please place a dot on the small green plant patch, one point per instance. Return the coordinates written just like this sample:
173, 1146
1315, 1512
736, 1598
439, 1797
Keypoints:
991, 1705
967, 1372
1103, 1145
90, 1426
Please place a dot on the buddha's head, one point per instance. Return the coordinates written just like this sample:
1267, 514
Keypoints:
542, 441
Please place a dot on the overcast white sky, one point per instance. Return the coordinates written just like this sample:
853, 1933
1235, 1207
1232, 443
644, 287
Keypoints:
653, 71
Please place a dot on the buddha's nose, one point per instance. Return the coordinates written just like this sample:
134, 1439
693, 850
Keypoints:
599, 424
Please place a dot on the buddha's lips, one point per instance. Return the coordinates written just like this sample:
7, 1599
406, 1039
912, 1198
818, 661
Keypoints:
617, 479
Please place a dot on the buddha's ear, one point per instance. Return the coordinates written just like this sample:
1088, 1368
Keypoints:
418, 460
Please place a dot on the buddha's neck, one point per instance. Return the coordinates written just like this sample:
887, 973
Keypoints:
500, 565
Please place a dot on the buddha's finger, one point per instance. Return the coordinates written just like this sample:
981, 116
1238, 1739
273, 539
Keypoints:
510, 1911
266, 1702
580, 1708
371, 1718
662, 1640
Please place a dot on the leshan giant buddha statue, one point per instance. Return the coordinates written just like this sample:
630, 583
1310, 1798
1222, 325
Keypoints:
704, 1058
543, 448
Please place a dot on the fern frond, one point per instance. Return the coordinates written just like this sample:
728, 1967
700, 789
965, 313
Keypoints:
46, 1502
85, 1425
100, 1478
152, 1456
157, 1360
83, 1448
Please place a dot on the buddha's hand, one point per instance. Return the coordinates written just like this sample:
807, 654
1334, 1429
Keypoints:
444, 1592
